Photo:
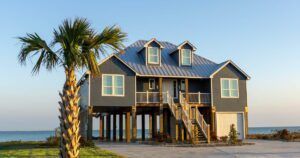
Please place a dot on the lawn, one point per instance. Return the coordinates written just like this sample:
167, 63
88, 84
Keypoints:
39, 149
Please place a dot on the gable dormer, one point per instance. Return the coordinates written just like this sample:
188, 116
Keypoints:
184, 54
152, 52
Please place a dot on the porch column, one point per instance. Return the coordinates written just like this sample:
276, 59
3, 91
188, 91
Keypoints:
165, 121
114, 127
150, 126
102, 120
121, 126
143, 126
134, 129
154, 125
212, 124
127, 120
161, 108
186, 81
246, 120
108, 126
100, 127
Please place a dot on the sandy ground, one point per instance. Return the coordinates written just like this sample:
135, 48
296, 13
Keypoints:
261, 149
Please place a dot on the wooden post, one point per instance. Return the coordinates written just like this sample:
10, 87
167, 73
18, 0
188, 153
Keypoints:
246, 120
127, 120
150, 126
108, 127
182, 132
102, 120
187, 90
143, 127
114, 127
212, 116
154, 125
100, 127
134, 128
121, 126
161, 108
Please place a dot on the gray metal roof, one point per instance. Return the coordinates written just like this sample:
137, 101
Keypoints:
201, 67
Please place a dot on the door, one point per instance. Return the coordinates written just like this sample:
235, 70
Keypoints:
170, 86
225, 120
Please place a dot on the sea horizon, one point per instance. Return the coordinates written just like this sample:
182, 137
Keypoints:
41, 135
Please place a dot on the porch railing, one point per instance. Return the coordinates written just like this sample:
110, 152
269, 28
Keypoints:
151, 97
200, 98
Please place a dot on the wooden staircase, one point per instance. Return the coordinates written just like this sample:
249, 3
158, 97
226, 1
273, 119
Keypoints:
195, 124
196, 127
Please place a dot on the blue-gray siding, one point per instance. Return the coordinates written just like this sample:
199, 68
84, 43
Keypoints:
113, 66
229, 104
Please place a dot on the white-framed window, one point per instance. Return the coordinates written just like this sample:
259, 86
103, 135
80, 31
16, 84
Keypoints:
151, 83
186, 57
153, 55
182, 85
229, 88
112, 85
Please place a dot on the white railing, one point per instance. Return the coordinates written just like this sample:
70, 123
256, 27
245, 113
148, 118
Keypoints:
203, 125
150, 97
204, 98
171, 103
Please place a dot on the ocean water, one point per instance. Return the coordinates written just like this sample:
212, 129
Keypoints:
42, 135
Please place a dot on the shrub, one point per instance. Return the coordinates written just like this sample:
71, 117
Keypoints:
86, 143
52, 141
224, 139
233, 137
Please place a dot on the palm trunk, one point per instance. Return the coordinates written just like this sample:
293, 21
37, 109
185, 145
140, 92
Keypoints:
69, 117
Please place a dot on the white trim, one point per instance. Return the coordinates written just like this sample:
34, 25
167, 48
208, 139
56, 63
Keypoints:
225, 64
150, 83
187, 42
229, 79
232, 112
153, 40
211, 92
181, 59
113, 87
158, 56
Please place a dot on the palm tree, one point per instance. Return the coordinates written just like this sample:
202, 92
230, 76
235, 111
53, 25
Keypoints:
75, 46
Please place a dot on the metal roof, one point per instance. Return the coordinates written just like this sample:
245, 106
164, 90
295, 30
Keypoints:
201, 67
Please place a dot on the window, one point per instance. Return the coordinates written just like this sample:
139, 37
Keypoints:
153, 55
229, 88
112, 85
182, 85
186, 57
175, 89
151, 83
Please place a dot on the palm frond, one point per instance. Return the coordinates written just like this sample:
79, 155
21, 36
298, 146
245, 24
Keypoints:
32, 45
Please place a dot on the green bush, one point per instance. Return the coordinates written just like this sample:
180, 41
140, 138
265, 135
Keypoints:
86, 143
224, 139
233, 137
52, 141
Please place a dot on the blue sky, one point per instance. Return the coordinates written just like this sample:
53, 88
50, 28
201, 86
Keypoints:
262, 37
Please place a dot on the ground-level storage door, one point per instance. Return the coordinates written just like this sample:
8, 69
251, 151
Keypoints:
224, 120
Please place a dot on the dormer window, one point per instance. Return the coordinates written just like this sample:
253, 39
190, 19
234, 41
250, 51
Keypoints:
186, 57
153, 55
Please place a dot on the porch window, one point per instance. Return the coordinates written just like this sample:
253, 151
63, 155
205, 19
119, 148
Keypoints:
112, 85
151, 83
186, 57
229, 88
153, 55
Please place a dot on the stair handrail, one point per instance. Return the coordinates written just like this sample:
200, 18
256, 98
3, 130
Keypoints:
185, 114
203, 125
171, 104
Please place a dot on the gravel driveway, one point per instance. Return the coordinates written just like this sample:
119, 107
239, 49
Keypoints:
261, 149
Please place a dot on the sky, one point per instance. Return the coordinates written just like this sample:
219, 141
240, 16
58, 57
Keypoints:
262, 37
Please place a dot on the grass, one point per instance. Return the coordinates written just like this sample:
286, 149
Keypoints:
284, 135
17, 149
